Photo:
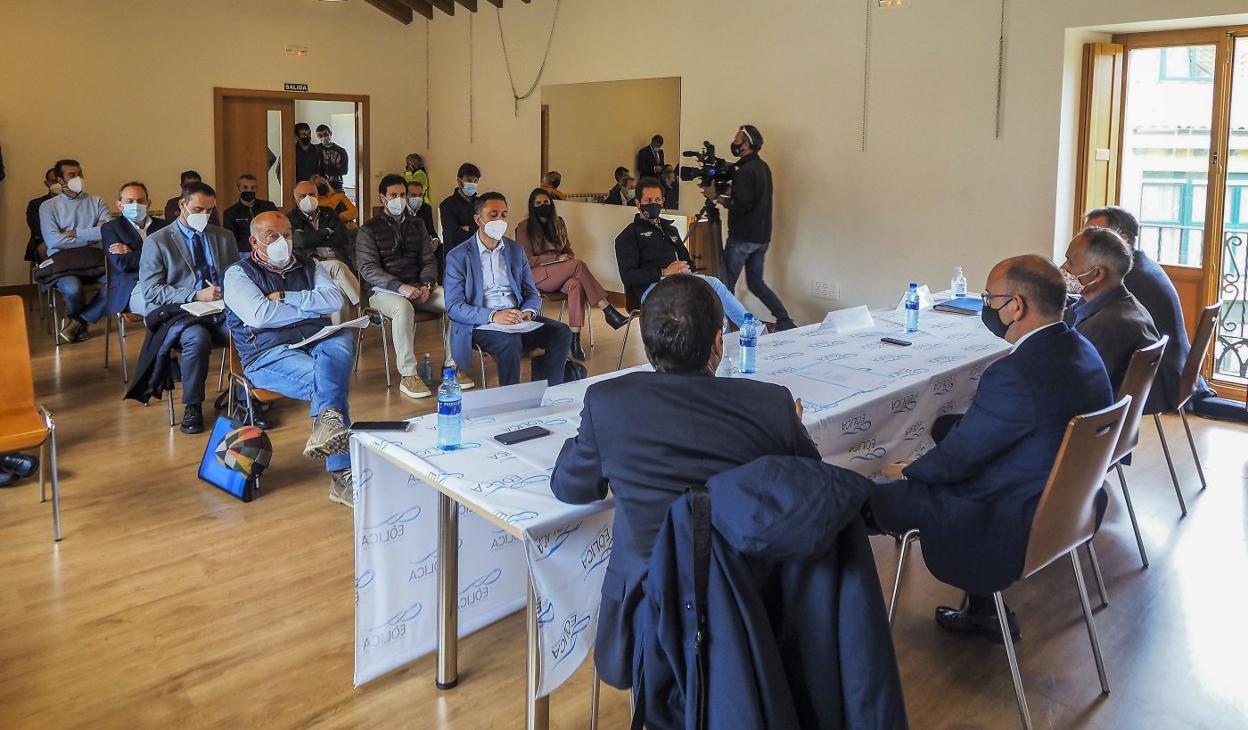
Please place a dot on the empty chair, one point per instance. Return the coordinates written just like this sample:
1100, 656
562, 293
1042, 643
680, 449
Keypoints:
25, 424
1137, 383
1187, 387
1065, 518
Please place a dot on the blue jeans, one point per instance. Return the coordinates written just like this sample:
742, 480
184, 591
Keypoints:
71, 292
734, 310
320, 374
740, 254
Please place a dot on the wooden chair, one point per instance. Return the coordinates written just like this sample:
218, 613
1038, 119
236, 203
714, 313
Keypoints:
1187, 388
24, 423
252, 393
1065, 519
1136, 383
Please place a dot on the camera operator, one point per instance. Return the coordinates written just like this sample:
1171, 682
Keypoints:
749, 222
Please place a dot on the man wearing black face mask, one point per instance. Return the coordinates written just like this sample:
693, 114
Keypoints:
307, 156
238, 217
650, 248
972, 497
749, 223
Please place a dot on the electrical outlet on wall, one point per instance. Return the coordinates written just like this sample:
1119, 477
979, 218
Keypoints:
826, 290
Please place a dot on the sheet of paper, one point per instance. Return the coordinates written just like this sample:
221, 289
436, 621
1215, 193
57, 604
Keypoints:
515, 329
844, 321
846, 377
925, 299
326, 331
204, 309
487, 402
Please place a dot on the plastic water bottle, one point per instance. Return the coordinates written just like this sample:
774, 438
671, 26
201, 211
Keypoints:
912, 308
425, 371
749, 343
450, 418
958, 283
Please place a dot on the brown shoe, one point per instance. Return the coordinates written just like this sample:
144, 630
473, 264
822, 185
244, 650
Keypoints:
413, 387
73, 330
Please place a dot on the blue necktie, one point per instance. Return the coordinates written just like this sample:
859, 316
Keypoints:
203, 272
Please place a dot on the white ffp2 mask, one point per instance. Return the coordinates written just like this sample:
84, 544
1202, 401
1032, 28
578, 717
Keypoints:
395, 206
496, 229
279, 252
197, 221
308, 203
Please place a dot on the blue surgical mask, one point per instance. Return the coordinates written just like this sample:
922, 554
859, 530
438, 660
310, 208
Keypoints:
134, 212
470, 189
413, 204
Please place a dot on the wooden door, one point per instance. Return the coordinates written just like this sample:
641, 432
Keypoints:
255, 135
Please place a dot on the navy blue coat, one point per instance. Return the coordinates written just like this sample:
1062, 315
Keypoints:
797, 632
972, 497
649, 436
123, 269
1148, 282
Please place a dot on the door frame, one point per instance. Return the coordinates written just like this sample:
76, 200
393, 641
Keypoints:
1209, 274
363, 138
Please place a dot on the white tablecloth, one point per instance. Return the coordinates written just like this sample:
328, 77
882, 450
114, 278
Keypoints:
867, 404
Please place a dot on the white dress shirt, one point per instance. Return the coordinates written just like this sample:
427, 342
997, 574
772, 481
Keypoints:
496, 278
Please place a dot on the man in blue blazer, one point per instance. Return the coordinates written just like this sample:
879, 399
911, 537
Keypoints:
123, 244
488, 280
649, 436
972, 497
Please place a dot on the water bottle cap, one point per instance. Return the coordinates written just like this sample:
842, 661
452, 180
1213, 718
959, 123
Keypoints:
914, 285
749, 316
448, 373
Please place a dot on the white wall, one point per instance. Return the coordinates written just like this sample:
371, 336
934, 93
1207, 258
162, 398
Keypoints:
127, 87
934, 188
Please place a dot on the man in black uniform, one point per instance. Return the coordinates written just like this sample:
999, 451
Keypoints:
458, 222
307, 155
650, 248
237, 217
749, 222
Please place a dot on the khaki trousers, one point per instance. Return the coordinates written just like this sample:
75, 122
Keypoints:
347, 283
401, 312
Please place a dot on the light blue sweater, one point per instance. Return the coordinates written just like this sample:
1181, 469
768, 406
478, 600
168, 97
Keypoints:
83, 215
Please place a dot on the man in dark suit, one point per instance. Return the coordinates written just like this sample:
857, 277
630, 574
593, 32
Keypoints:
33, 255
972, 497
488, 280
650, 158
1152, 288
173, 204
123, 239
184, 262
238, 217
1107, 314
695, 426
624, 192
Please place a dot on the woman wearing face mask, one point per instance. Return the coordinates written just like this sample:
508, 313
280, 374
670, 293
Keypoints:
336, 201
544, 237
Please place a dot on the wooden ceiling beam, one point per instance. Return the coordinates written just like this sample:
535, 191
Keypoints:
446, 6
470, 4
495, 3
394, 9
422, 7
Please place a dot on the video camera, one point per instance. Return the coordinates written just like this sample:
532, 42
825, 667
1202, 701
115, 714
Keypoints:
711, 170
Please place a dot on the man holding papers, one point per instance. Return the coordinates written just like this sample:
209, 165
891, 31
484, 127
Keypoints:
395, 255
278, 298
491, 299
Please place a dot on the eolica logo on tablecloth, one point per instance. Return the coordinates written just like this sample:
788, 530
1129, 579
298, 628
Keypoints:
915, 432
855, 424
390, 529
905, 403
363, 583
976, 373
943, 386
549, 543
573, 626
868, 450
598, 552
394, 628
426, 567
479, 589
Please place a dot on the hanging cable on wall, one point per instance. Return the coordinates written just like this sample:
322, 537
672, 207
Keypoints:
1001, 71
866, 74
470, 55
517, 97
428, 133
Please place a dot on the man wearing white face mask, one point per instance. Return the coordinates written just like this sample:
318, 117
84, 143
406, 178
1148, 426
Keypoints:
69, 221
488, 280
322, 236
183, 262
278, 297
123, 239
394, 253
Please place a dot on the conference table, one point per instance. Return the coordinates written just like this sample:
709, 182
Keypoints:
448, 542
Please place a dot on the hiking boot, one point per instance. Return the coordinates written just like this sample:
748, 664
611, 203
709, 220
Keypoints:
329, 435
340, 488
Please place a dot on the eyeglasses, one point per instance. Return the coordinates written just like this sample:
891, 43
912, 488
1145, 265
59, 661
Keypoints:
987, 298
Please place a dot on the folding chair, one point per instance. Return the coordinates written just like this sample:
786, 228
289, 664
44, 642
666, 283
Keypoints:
1065, 519
562, 300
24, 423
252, 393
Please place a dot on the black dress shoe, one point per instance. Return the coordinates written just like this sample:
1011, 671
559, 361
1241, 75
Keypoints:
615, 318
19, 465
193, 419
977, 623
785, 324
577, 352
7, 479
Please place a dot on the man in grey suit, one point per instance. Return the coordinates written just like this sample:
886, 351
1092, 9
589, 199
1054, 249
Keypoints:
183, 263
1107, 314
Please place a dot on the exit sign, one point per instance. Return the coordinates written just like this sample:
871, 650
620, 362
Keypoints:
295, 87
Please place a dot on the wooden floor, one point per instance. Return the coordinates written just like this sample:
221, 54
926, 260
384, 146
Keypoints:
170, 604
